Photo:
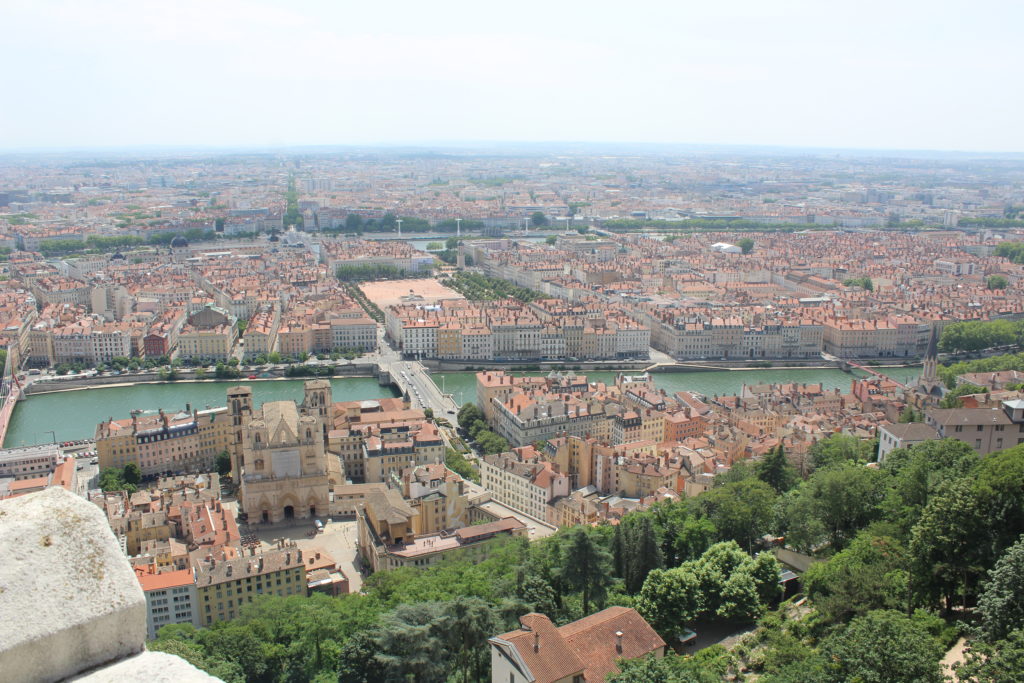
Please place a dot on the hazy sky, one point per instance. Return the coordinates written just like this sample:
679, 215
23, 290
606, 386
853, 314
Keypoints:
903, 74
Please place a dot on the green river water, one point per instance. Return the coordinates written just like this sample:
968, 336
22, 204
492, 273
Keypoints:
74, 414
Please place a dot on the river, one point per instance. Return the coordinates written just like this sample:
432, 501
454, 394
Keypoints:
74, 414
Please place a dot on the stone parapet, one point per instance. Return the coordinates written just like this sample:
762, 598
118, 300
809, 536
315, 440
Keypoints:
69, 598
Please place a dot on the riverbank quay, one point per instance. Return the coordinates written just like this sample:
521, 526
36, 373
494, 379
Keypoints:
648, 366
57, 384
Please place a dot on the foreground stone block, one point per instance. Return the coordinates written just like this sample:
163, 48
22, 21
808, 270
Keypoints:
151, 667
68, 597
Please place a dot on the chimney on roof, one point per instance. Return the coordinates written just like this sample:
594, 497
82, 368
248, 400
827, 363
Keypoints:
298, 556
287, 558
536, 642
229, 570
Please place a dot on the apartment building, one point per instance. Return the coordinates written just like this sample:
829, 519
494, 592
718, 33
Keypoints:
437, 496
223, 587
507, 329
171, 598
186, 441
261, 331
161, 339
387, 450
524, 482
986, 430
695, 335
387, 539
638, 425
29, 462
893, 436
640, 476
523, 420
210, 333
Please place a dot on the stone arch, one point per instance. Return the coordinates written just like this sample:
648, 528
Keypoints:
289, 500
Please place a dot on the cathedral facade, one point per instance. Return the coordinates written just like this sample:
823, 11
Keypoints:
280, 457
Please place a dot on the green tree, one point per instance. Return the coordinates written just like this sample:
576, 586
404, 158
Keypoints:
975, 335
864, 283
916, 473
551, 240
193, 653
684, 535
670, 599
223, 464
642, 553
999, 490
410, 644
357, 660
947, 559
1011, 250
746, 245
619, 551
765, 571
727, 585
774, 469
586, 569
648, 669
838, 501
908, 415
467, 624
952, 398
1001, 602
741, 511
538, 219
131, 474
996, 282
999, 662
353, 222
458, 464
469, 413
838, 448
870, 574
882, 646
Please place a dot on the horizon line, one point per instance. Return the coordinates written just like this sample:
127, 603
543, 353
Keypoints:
501, 145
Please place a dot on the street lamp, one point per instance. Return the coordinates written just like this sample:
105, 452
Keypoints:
52, 434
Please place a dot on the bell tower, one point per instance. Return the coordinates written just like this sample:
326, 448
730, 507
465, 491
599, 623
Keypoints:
240, 409
319, 403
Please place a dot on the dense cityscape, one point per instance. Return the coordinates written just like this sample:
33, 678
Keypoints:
309, 501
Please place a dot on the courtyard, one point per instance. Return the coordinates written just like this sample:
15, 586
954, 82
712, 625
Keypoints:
418, 291
338, 539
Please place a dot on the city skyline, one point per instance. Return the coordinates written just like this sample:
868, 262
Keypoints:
262, 75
